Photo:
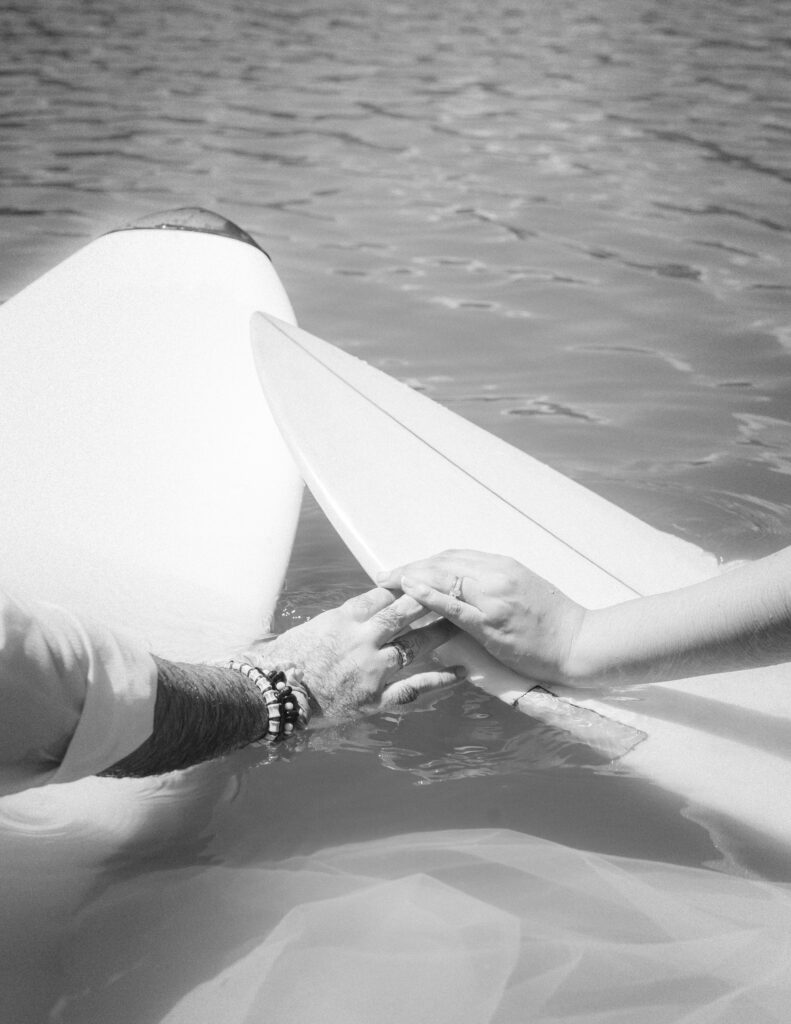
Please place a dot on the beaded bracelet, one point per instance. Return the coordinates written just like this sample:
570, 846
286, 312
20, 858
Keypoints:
284, 712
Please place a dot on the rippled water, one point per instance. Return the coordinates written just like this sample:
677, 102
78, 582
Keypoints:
568, 221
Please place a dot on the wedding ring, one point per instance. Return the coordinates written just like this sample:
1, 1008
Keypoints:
455, 591
403, 651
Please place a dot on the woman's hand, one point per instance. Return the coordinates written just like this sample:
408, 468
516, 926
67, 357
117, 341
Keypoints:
352, 658
519, 618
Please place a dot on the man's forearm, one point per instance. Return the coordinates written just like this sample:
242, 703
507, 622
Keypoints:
741, 619
201, 712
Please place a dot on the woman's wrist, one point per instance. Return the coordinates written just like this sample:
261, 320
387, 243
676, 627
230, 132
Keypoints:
644, 640
574, 667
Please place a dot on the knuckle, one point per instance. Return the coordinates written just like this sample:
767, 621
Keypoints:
388, 619
360, 604
500, 581
404, 609
497, 614
515, 570
363, 606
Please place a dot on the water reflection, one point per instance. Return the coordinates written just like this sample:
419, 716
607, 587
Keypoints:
465, 733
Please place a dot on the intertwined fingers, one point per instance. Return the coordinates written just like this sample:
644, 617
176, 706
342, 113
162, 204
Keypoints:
362, 607
456, 574
415, 643
395, 618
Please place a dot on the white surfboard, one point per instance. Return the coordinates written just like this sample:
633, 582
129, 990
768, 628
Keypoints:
142, 480
401, 478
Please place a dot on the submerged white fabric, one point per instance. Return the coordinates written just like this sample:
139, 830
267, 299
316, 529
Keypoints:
452, 927
76, 698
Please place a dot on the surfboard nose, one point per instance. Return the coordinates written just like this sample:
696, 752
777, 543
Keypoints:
192, 218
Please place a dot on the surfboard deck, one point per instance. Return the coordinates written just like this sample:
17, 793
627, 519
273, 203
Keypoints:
401, 478
144, 482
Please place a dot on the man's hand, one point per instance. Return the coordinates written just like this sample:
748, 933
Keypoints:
352, 658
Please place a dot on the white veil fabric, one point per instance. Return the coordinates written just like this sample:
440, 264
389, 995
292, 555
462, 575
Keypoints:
446, 927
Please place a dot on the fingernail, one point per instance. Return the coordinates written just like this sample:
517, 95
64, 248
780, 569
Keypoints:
381, 577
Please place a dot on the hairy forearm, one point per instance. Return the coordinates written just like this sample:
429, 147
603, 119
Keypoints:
201, 712
741, 619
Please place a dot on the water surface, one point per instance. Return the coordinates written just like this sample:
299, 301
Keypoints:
568, 222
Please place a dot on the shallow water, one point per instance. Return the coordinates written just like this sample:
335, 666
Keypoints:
568, 222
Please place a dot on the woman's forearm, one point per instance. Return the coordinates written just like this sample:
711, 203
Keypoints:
741, 619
